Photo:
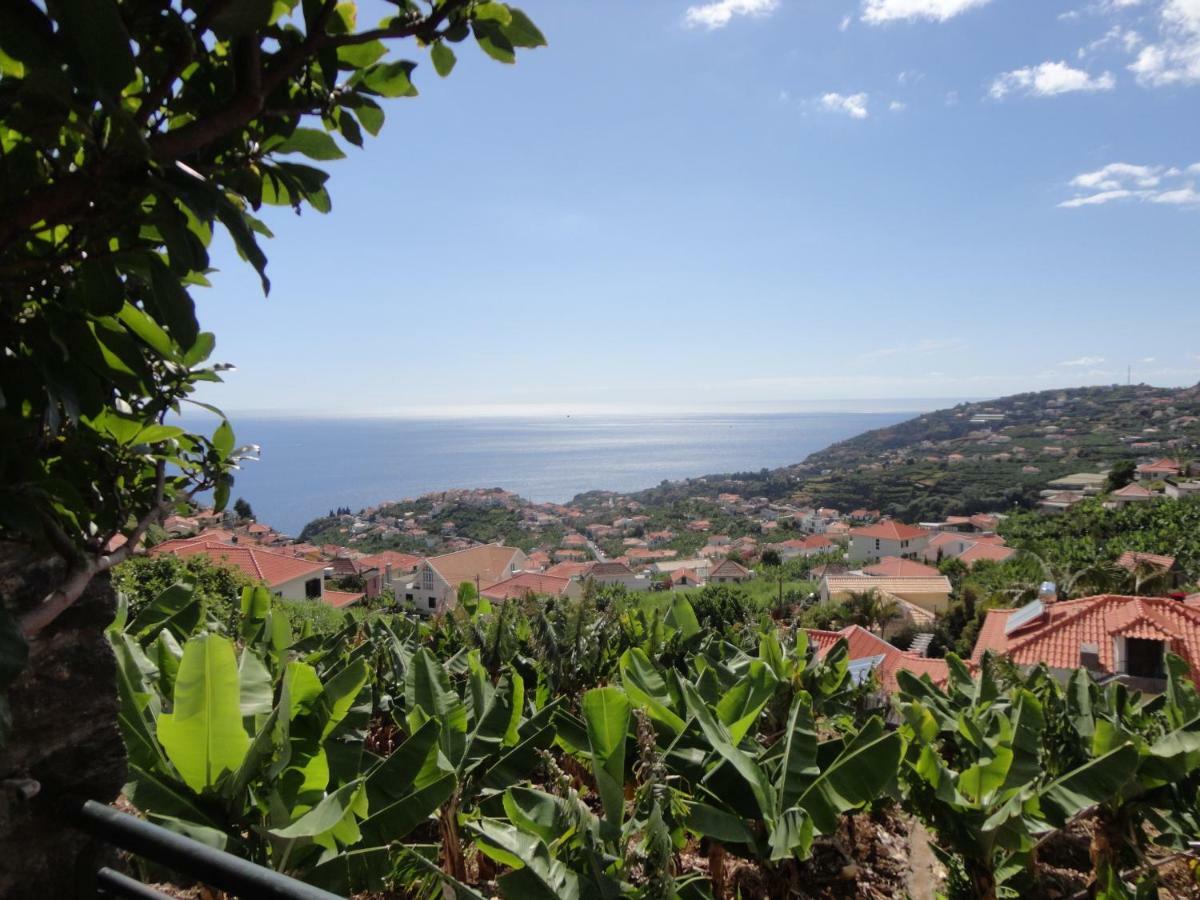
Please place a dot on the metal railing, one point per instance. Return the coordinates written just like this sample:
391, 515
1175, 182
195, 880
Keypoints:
214, 867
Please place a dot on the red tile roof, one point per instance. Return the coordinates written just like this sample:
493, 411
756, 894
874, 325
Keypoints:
729, 568
685, 576
1056, 637
569, 569
890, 531
986, 550
1130, 560
266, 566
340, 599
862, 644
525, 583
400, 562
895, 567
1133, 490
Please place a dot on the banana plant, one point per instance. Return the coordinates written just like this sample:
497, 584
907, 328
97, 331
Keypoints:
266, 764
486, 742
974, 774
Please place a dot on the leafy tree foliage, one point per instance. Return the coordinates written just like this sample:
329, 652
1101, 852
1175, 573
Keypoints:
243, 509
129, 134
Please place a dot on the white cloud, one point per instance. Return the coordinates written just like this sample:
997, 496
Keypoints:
1114, 175
1175, 59
1128, 39
879, 11
1083, 361
720, 13
952, 98
845, 23
910, 76
897, 106
1125, 181
853, 105
1049, 79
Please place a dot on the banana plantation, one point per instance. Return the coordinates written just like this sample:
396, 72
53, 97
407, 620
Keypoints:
650, 747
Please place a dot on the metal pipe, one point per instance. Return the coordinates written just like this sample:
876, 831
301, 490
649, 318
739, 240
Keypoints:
214, 867
111, 883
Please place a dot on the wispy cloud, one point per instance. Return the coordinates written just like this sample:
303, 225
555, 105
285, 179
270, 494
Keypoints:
877, 12
1125, 181
853, 105
720, 13
1175, 58
926, 345
897, 106
1049, 79
1083, 361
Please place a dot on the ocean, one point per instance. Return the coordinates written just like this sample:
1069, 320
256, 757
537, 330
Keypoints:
312, 465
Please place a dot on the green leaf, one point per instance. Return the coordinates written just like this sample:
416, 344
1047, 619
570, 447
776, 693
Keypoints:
313, 143
606, 712
359, 56
858, 775
521, 31
390, 80
97, 40
148, 330
718, 737
496, 12
257, 689
203, 736
443, 58
493, 41
176, 609
223, 438
648, 689
799, 766
1097, 781
336, 809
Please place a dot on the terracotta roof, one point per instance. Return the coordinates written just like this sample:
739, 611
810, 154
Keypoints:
729, 568
271, 568
569, 569
401, 562
837, 584
890, 531
1134, 490
895, 567
340, 599
489, 563
524, 583
682, 575
862, 644
1056, 637
211, 535
986, 550
1160, 465
1131, 559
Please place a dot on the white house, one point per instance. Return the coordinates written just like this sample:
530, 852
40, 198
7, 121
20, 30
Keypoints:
614, 573
873, 542
435, 584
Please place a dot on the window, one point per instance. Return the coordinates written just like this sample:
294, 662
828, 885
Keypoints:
408, 597
427, 579
876, 543
1144, 658
433, 602
312, 588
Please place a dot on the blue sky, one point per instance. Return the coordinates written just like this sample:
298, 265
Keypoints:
750, 205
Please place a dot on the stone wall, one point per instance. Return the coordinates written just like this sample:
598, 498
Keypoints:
65, 741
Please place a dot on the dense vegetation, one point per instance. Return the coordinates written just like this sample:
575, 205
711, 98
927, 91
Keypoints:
617, 746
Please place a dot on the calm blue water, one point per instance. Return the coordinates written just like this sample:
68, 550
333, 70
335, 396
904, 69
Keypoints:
309, 466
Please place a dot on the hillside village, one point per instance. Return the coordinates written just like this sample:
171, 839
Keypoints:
420, 555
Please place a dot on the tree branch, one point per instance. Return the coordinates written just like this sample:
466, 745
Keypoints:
58, 602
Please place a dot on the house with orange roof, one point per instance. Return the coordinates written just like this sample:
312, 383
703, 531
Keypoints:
289, 577
611, 573
342, 599
1158, 470
1114, 636
394, 567
435, 584
685, 578
569, 569
930, 593
729, 571
884, 659
1131, 493
1159, 567
532, 584
895, 567
887, 538
981, 551
812, 545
